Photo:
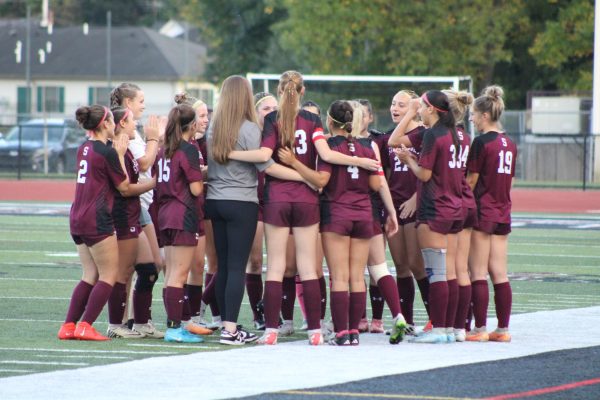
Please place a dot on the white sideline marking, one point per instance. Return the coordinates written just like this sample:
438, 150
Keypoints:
18, 371
551, 255
21, 362
40, 350
532, 334
82, 356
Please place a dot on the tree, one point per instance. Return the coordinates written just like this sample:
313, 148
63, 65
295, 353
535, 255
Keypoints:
238, 33
566, 45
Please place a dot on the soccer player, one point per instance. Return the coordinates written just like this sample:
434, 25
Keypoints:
491, 168
439, 202
101, 171
179, 183
404, 247
459, 282
126, 217
347, 222
289, 204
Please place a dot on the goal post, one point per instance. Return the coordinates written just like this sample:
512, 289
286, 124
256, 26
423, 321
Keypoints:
379, 90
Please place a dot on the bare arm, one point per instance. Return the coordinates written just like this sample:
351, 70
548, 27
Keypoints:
196, 188
335, 157
472, 178
317, 179
135, 189
252, 156
152, 131
423, 174
400, 130
120, 145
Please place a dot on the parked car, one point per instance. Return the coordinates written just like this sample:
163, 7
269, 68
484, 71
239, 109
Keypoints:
64, 137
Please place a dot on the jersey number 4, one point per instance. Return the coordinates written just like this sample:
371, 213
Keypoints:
164, 171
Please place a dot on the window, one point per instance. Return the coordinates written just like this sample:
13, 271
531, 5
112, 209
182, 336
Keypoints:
51, 99
206, 95
99, 95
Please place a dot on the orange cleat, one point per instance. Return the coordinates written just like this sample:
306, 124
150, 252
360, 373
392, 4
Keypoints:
428, 326
477, 336
67, 331
499, 337
363, 325
197, 329
85, 331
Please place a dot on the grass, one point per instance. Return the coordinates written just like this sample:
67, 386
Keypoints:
550, 269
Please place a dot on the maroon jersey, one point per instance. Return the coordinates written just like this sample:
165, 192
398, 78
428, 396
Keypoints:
346, 195
440, 198
308, 130
201, 143
493, 156
201, 162
465, 144
126, 210
99, 174
260, 190
380, 140
401, 180
177, 206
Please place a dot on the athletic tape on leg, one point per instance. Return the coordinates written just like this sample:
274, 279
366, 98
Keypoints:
378, 271
435, 264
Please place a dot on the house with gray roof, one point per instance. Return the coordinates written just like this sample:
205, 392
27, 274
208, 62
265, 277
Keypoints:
69, 67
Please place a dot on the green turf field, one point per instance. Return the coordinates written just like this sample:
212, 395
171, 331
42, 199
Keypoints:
550, 269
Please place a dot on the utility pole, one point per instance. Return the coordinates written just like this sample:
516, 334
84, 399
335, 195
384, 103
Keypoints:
108, 48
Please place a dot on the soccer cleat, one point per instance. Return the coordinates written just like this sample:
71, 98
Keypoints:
84, 331
232, 339
363, 325
67, 331
269, 337
215, 324
304, 326
376, 326
478, 335
428, 326
196, 329
410, 330
326, 328
435, 335
340, 339
181, 335
149, 330
287, 328
496, 336
460, 335
398, 329
259, 325
123, 332
248, 337
315, 337
354, 337
450, 336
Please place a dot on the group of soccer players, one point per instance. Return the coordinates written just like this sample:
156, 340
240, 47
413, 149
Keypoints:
264, 166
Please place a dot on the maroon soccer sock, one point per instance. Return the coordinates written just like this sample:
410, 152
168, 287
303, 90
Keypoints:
288, 298
254, 287
340, 305
312, 303
503, 300
406, 291
272, 303
480, 297
194, 295
464, 300
300, 296
142, 306
424, 289
452, 303
116, 303
96, 302
323, 287
79, 299
174, 299
438, 303
208, 297
470, 313
186, 311
208, 278
376, 302
389, 290
358, 302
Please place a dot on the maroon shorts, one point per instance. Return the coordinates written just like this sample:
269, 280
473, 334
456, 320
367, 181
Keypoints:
405, 221
470, 215
128, 232
89, 240
377, 228
291, 214
354, 229
493, 228
176, 237
442, 226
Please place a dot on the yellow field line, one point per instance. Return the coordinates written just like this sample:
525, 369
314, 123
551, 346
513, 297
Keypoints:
372, 395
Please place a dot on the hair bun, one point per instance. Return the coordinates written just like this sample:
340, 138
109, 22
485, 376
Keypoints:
82, 115
494, 91
180, 98
464, 97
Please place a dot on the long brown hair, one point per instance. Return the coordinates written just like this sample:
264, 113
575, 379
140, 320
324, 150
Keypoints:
289, 89
236, 105
124, 91
181, 117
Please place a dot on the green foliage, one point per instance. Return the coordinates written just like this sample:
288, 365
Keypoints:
566, 46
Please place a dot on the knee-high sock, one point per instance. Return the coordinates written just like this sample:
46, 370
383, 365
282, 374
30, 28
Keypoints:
438, 303
194, 295
116, 303
452, 303
389, 292
376, 302
254, 287
323, 287
358, 302
340, 305
79, 299
174, 300
96, 302
464, 300
300, 296
480, 298
424, 289
503, 300
406, 291
312, 302
208, 297
272, 302
288, 298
